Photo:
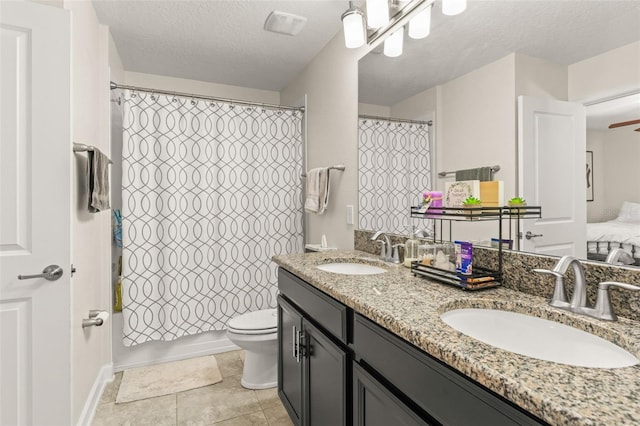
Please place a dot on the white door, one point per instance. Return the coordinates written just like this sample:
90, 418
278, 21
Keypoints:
551, 174
35, 214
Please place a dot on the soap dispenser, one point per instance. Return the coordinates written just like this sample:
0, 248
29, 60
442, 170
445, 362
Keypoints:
411, 249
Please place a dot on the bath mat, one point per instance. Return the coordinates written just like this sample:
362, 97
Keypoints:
165, 379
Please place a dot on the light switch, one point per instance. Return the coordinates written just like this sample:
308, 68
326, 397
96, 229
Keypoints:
349, 215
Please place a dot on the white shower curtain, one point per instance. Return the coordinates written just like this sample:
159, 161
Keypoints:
211, 191
394, 169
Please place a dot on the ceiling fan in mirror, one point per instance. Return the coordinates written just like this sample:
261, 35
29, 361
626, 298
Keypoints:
625, 123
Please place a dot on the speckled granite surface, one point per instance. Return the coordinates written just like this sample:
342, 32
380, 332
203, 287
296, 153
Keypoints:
410, 307
517, 274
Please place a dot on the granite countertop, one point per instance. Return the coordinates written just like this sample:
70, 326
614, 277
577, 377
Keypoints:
410, 307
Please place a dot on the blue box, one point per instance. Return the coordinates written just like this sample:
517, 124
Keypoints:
464, 257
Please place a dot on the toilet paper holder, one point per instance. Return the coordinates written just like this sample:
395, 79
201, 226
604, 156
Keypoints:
96, 318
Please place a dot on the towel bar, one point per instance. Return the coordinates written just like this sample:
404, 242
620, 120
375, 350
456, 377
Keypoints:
493, 170
339, 167
80, 147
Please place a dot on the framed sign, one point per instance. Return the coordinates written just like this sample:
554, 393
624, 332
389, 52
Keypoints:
589, 175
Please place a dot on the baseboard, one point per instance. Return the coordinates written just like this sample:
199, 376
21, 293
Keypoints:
157, 352
105, 375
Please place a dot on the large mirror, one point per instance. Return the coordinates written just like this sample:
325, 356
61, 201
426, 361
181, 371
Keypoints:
465, 78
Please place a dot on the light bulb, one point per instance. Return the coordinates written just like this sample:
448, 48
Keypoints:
377, 13
453, 7
354, 29
420, 25
393, 43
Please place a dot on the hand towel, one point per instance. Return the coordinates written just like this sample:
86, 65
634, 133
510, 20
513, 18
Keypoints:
317, 190
483, 174
98, 177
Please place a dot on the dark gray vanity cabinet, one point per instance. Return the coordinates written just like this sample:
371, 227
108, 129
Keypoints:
337, 367
435, 390
313, 363
375, 405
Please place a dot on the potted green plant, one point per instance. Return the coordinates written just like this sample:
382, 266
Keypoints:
472, 203
516, 202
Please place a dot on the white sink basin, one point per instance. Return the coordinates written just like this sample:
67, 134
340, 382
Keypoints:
351, 268
538, 338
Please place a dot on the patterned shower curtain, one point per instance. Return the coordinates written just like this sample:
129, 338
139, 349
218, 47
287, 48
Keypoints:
394, 169
211, 191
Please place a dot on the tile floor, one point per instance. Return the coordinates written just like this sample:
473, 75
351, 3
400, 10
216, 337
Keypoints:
225, 403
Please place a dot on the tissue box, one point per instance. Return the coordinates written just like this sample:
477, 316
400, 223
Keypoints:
464, 257
492, 193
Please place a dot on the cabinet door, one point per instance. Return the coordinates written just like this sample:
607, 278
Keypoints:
325, 379
375, 405
289, 359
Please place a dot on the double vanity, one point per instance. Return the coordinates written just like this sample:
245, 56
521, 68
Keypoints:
365, 342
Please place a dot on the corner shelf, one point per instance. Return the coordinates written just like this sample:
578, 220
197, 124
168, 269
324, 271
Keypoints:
482, 278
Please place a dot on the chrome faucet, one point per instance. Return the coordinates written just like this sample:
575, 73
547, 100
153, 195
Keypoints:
602, 309
559, 298
388, 253
618, 256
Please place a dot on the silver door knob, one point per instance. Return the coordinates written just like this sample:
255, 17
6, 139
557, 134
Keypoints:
50, 273
529, 235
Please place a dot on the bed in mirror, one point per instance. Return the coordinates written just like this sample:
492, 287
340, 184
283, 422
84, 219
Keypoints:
465, 78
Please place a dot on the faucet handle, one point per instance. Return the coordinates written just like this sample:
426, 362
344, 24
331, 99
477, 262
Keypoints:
559, 297
603, 309
383, 250
395, 256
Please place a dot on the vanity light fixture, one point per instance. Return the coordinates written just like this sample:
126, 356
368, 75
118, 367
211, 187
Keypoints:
393, 43
453, 7
354, 27
377, 13
420, 25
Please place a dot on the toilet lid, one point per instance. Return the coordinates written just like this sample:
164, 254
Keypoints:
264, 321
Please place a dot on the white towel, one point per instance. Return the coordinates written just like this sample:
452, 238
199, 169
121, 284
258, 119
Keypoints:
317, 190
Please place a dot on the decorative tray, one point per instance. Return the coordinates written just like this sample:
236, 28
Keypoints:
481, 278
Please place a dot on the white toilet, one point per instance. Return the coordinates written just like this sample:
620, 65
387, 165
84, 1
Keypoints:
257, 333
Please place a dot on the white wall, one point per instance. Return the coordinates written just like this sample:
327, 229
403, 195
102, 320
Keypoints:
540, 78
602, 76
91, 347
611, 73
616, 154
374, 110
330, 82
200, 87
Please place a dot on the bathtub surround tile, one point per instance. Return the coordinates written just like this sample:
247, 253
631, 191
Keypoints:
168, 378
216, 403
230, 363
160, 411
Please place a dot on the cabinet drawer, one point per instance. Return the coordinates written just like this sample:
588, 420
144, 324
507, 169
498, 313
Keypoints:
440, 391
322, 309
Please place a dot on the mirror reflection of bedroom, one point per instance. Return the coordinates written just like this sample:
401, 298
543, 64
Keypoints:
613, 180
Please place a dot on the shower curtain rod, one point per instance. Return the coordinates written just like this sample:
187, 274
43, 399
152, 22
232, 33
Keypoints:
396, 120
114, 86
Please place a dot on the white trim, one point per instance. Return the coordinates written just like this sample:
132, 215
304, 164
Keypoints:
157, 352
105, 375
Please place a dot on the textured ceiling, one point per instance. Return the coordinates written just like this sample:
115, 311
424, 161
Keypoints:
224, 41
561, 31
218, 41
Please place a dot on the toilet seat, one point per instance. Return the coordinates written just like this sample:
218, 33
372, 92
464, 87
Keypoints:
258, 322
